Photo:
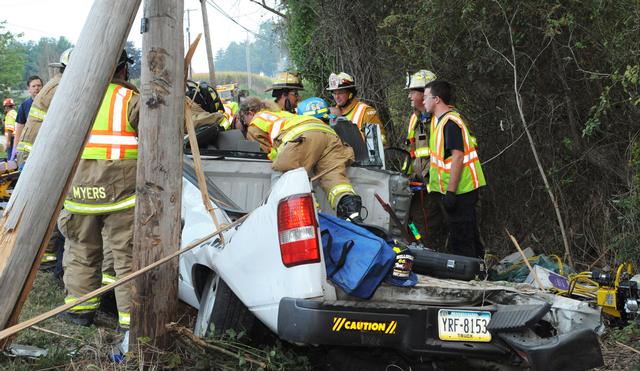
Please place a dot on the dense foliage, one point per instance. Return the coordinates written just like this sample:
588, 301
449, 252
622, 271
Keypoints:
577, 70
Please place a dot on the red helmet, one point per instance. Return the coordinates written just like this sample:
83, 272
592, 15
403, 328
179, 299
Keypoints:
8, 102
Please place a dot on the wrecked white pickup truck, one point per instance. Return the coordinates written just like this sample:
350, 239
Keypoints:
270, 269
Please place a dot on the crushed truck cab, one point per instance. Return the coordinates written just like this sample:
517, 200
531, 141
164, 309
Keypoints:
271, 268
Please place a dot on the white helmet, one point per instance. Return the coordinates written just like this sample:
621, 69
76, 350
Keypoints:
64, 59
420, 79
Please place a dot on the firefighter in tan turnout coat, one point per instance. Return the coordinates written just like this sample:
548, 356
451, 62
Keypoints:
304, 140
99, 208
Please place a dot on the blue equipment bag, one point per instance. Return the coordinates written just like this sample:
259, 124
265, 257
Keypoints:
355, 258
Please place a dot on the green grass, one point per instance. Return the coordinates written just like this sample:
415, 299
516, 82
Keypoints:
72, 347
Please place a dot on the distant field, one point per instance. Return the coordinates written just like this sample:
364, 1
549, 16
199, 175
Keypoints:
258, 83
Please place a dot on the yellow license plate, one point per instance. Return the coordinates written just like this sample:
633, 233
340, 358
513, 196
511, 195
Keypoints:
463, 325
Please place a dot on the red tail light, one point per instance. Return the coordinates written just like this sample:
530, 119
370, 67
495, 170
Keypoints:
297, 228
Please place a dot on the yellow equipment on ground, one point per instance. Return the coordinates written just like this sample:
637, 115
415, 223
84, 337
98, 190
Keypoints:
7, 182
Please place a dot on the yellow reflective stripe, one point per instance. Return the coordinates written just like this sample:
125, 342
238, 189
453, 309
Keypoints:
25, 147
37, 113
80, 208
91, 304
423, 152
413, 119
338, 190
48, 257
107, 279
124, 318
272, 154
226, 123
298, 130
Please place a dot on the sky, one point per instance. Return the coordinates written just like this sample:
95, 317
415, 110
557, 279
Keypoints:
49, 18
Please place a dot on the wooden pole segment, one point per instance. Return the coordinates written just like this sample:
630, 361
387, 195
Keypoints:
207, 42
159, 175
44, 316
33, 208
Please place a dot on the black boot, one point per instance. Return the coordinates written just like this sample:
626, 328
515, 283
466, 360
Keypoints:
81, 319
349, 208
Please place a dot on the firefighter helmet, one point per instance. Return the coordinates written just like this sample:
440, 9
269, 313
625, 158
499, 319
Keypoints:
314, 106
419, 79
8, 102
286, 81
64, 59
340, 81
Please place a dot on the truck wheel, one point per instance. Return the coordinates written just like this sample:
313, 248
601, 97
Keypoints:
207, 303
221, 308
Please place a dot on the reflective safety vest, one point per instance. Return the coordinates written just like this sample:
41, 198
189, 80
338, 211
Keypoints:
419, 150
112, 136
230, 110
10, 121
471, 177
271, 123
356, 115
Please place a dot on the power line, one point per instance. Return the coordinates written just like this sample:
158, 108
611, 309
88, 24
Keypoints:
225, 14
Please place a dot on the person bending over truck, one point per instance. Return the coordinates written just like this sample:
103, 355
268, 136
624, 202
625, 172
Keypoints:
305, 140
455, 173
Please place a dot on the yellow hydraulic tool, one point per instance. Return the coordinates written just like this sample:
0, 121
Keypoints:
618, 295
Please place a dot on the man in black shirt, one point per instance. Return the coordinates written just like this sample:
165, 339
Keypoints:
455, 173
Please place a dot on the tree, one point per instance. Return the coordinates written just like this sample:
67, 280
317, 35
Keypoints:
135, 54
266, 53
12, 58
39, 55
578, 90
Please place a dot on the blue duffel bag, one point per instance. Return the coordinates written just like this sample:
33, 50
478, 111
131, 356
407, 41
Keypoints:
356, 259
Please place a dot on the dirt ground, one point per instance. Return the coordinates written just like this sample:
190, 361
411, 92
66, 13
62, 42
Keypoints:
72, 347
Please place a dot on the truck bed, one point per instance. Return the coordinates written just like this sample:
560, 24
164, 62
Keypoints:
248, 183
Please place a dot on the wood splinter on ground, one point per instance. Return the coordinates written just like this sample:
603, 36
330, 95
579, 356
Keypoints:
185, 332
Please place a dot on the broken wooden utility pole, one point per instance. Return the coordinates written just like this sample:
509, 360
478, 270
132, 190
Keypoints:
207, 42
33, 208
159, 177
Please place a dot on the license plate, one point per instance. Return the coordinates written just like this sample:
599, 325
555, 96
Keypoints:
463, 325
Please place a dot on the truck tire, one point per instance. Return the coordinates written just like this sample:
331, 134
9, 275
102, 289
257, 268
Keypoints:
221, 310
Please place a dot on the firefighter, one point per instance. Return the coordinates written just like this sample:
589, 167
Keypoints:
420, 123
54, 250
99, 208
259, 118
285, 91
344, 91
10, 114
455, 174
305, 140
417, 167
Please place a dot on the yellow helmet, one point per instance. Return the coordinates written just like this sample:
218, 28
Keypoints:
287, 80
420, 79
341, 81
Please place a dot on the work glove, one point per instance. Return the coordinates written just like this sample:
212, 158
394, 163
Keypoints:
449, 201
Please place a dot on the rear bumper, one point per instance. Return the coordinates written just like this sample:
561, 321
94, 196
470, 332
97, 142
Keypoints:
413, 329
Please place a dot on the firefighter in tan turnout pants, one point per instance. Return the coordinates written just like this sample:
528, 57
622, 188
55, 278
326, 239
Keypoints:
99, 209
304, 140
